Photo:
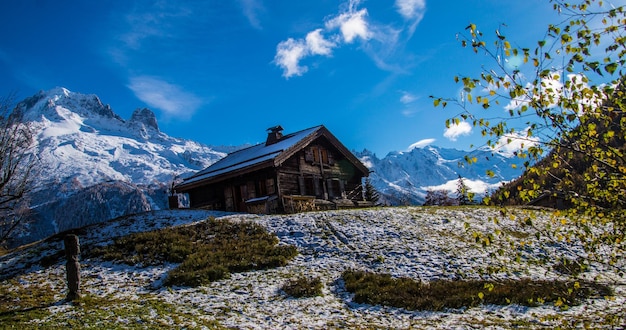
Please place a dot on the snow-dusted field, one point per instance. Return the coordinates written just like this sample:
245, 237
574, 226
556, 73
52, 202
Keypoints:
417, 242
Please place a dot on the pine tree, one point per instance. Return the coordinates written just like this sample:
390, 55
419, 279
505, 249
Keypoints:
370, 192
462, 192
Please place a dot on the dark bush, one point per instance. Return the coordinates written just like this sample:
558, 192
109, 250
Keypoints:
303, 287
570, 267
382, 289
207, 251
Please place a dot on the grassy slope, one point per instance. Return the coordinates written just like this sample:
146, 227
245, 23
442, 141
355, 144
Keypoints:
421, 243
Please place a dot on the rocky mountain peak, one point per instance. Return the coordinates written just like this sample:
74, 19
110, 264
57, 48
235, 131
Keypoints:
146, 117
88, 105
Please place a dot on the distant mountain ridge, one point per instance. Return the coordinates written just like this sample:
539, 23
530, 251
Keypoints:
405, 177
95, 166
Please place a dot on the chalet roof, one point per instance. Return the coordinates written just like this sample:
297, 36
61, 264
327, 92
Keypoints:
265, 155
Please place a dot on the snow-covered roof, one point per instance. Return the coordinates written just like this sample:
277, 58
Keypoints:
251, 156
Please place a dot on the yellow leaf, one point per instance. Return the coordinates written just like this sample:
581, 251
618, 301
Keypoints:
481, 295
558, 302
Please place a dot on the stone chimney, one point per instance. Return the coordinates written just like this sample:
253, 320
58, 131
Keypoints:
274, 134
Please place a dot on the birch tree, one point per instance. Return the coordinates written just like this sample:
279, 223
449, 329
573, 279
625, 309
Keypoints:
564, 106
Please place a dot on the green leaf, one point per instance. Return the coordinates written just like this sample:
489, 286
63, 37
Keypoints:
610, 68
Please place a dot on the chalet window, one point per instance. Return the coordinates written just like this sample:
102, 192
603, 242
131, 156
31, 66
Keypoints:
315, 154
318, 187
335, 188
324, 153
309, 187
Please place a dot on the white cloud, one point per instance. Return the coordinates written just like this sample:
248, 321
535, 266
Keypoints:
509, 144
316, 43
346, 27
351, 24
554, 91
288, 56
170, 99
454, 131
408, 98
421, 144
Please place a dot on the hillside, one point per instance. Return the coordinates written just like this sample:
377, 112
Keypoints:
416, 242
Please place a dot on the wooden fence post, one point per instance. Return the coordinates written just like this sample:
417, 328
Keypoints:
72, 250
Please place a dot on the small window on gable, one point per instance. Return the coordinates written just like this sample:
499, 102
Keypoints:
318, 155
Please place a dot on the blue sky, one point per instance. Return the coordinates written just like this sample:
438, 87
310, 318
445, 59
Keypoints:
221, 72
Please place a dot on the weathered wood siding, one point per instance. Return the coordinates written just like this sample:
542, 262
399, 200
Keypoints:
318, 170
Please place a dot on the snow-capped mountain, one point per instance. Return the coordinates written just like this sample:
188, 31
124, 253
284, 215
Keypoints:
83, 142
405, 177
94, 166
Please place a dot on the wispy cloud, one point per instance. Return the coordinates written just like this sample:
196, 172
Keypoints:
252, 9
169, 98
413, 12
152, 28
455, 130
421, 144
350, 25
154, 21
407, 98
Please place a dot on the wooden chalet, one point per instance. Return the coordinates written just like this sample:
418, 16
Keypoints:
302, 171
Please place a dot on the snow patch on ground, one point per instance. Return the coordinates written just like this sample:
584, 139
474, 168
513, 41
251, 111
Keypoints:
417, 242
